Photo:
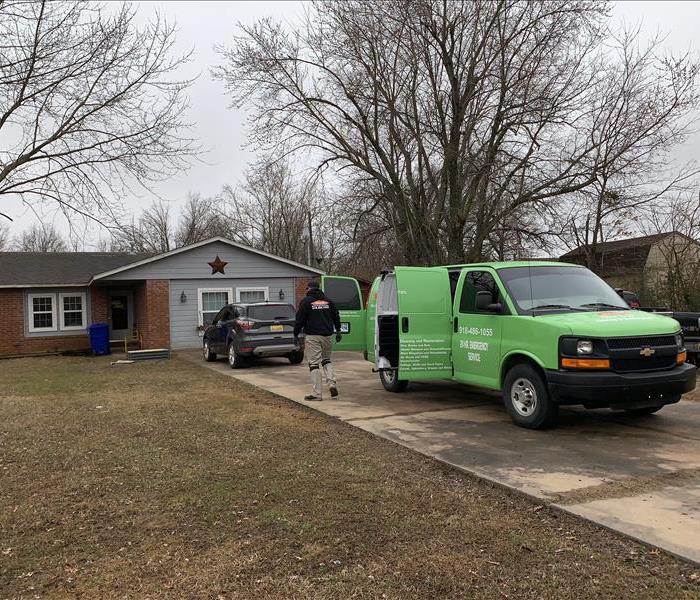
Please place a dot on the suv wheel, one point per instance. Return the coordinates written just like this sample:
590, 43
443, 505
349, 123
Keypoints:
527, 399
296, 357
391, 382
234, 360
209, 356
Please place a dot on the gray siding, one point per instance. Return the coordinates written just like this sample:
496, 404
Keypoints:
193, 265
184, 317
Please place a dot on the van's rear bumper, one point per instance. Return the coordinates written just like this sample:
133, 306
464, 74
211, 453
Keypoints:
600, 389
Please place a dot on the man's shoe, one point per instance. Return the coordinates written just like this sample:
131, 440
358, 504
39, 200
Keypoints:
334, 391
312, 398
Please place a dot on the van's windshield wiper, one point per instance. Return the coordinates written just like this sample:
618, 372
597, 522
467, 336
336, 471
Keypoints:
604, 305
553, 306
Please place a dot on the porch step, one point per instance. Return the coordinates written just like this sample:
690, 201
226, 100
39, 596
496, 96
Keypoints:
148, 354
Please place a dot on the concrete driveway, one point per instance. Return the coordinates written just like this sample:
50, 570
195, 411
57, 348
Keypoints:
637, 475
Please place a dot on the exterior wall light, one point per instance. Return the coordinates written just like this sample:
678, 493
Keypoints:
281, 294
183, 297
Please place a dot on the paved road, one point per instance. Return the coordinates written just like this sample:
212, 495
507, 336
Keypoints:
637, 475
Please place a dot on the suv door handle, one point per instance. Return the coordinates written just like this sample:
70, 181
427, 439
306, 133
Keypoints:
404, 324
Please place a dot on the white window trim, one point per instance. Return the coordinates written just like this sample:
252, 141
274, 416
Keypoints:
30, 313
200, 307
62, 313
266, 290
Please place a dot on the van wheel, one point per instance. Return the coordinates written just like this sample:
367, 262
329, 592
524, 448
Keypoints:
391, 382
526, 398
209, 356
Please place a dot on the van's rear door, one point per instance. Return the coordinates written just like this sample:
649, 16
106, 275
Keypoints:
371, 321
345, 293
425, 323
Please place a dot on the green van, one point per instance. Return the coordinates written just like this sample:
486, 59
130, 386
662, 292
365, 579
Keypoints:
544, 333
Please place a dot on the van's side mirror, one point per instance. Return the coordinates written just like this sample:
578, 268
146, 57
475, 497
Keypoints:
484, 304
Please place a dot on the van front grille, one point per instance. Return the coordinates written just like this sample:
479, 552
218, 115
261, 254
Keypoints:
641, 342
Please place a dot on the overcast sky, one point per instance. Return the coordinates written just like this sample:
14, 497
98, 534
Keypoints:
222, 130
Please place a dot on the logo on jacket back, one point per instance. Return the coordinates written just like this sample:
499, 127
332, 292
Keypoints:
319, 304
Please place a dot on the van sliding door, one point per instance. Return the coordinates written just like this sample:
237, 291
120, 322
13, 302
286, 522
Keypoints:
425, 323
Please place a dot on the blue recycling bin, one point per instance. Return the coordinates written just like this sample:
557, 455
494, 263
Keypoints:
99, 338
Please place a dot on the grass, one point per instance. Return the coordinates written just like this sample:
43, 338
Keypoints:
166, 480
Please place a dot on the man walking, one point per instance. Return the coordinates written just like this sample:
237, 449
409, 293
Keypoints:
318, 317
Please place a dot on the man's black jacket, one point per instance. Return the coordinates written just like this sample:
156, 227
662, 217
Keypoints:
317, 315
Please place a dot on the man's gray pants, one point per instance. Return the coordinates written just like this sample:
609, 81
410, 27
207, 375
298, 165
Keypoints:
318, 353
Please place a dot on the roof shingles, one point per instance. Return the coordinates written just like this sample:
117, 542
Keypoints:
58, 268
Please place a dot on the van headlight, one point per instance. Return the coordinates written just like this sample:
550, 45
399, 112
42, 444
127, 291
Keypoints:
679, 340
584, 347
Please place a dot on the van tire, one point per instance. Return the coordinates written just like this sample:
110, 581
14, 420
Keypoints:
391, 382
527, 398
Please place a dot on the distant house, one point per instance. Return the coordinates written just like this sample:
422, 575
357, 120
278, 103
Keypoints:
47, 300
642, 264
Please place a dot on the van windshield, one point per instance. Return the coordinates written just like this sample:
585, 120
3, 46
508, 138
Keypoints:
536, 289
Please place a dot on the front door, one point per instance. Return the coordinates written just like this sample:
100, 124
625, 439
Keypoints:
476, 344
120, 314
425, 323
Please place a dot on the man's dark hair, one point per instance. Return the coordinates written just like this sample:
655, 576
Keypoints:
313, 285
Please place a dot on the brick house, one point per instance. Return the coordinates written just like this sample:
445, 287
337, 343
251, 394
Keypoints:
47, 300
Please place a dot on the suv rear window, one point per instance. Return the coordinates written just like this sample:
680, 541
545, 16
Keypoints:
271, 312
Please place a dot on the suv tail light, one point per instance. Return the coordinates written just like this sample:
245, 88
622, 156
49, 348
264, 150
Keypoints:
244, 324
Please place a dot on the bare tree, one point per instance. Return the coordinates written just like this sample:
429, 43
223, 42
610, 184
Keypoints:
461, 114
202, 218
151, 233
88, 106
647, 108
41, 238
675, 278
273, 210
4, 238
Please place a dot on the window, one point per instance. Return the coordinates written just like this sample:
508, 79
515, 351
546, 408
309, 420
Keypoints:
211, 301
42, 312
252, 294
559, 288
475, 282
72, 310
271, 312
344, 292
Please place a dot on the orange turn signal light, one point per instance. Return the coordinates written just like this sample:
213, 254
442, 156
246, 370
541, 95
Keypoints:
681, 357
585, 363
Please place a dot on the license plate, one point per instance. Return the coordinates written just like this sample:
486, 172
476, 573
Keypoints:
276, 327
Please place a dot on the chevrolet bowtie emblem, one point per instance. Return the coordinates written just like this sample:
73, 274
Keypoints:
647, 352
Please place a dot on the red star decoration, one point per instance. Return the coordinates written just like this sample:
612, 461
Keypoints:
217, 265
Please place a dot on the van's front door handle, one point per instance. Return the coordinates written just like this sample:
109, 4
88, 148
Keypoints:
455, 324
404, 324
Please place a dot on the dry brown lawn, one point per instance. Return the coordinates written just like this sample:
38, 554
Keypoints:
166, 480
